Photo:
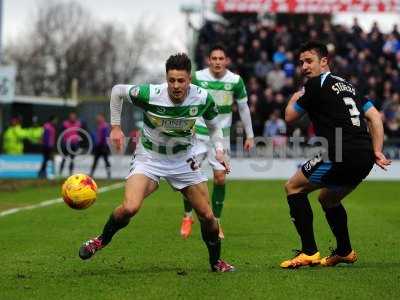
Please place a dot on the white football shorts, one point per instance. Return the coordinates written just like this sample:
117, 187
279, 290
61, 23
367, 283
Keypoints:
180, 170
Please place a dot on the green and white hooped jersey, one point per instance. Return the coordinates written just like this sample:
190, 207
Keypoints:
224, 91
168, 127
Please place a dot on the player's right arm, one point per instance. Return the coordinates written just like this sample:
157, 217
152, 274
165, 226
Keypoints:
120, 92
215, 132
375, 126
240, 94
300, 102
293, 109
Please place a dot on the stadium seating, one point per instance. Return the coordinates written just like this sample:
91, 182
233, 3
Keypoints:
265, 56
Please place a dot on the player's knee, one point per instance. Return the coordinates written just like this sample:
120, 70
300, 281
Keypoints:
206, 217
327, 202
219, 178
292, 187
289, 187
129, 210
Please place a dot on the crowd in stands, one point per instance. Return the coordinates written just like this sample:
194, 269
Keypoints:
264, 54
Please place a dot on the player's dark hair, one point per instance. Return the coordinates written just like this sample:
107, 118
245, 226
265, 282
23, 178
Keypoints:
318, 47
217, 47
179, 61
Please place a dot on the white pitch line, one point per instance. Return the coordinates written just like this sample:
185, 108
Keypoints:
56, 200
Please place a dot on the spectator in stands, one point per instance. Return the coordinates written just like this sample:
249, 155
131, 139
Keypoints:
48, 144
262, 67
391, 45
254, 52
392, 123
357, 30
289, 66
276, 78
288, 88
275, 125
279, 56
256, 118
275, 128
371, 56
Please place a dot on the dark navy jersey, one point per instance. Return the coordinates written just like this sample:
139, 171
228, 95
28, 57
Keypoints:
337, 113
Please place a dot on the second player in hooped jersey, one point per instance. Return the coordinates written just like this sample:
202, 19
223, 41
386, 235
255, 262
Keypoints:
226, 88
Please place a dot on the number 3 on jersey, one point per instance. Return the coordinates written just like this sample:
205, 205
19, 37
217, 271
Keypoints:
354, 112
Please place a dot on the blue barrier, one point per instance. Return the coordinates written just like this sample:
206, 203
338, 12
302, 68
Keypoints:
23, 166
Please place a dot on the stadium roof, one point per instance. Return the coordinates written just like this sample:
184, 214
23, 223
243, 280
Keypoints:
307, 6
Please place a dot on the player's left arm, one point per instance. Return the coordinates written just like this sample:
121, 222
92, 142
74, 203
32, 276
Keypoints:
240, 95
375, 125
215, 132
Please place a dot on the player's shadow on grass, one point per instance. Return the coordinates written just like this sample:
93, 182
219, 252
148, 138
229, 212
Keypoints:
377, 265
117, 270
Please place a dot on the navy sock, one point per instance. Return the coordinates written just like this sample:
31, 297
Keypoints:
111, 228
337, 220
212, 242
302, 217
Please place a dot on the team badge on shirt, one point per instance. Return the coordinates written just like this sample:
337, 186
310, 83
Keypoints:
228, 86
135, 91
193, 111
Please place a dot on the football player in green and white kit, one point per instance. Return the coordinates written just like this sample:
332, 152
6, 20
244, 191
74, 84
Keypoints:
165, 150
225, 87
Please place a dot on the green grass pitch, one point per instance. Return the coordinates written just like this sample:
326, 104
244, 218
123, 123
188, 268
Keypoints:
149, 260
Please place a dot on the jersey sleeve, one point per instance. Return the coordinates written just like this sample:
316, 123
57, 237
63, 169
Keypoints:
139, 94
239, 91
366, 104
211, 110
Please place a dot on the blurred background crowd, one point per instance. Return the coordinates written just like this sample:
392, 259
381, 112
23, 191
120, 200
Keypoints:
265, 54
263, 51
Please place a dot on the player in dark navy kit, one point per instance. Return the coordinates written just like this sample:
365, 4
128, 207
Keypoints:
341, 118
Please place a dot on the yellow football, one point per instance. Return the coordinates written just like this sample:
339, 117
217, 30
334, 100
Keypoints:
79, 191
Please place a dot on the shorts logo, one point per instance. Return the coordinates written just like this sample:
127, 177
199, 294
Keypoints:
198, 90
315, 160
158, 91
135, 91
193, 111
228, 86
